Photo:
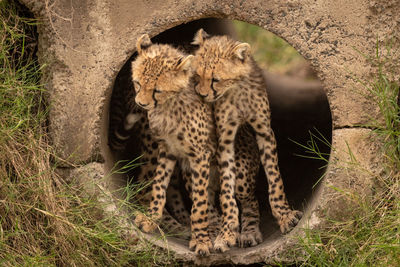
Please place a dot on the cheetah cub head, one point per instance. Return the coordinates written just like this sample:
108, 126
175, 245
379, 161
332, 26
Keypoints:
159, 73
219, 63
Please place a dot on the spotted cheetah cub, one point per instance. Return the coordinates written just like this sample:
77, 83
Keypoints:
183, 126
226, 74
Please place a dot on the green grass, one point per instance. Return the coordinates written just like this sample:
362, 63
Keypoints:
384, 91
44, 220
271, 52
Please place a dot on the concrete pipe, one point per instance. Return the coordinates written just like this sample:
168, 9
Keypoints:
88, 44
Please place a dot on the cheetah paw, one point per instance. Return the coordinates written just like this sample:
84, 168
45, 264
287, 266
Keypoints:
250, 239
288, 221
144, 223
201, 248
225, 240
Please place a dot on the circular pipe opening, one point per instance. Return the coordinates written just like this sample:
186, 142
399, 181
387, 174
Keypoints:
299, 108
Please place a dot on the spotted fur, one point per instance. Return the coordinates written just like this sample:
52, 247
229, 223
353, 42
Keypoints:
226, 75
183, 126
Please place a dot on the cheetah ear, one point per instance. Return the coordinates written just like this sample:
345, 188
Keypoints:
199, 37
143, 43
241, 51
184, 63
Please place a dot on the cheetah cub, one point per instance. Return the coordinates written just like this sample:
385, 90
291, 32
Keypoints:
226, 74
183, 126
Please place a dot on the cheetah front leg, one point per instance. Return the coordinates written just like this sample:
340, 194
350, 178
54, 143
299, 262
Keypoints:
214, 221
165, 167
226, 154
200, 241
286, 217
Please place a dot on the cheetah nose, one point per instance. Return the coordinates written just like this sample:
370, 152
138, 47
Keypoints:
142, 105
203, 95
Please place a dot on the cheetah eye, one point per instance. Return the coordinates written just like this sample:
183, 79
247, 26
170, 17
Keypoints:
137, 86
214, 80
157, 91
196, 79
